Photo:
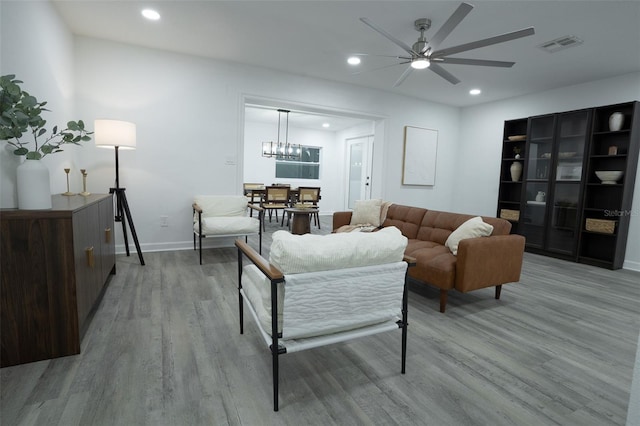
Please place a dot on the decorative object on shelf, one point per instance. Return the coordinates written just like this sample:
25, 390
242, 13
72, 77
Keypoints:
616, 120
68, 193
84, 192
119, 135
515, 138
34, 189
516, 171
282, 149
546, 155
563, 155
613, 150
22, 116
609, 177
517, 151
510, 214
600, 225
540, 196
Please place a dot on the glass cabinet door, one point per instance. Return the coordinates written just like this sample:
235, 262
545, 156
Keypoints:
537, 169
565, 203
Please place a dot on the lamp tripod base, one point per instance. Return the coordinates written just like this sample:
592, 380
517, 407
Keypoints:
123, 214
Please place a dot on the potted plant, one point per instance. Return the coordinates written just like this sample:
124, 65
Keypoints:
22, 126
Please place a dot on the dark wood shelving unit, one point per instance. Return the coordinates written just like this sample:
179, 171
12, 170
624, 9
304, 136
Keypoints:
581, 219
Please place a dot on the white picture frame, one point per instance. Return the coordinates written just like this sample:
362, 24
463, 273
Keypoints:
420, 153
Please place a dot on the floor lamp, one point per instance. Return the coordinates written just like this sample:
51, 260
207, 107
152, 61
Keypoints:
119, 135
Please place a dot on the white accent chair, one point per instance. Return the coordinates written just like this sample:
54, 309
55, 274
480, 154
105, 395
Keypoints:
224, 216
325, 289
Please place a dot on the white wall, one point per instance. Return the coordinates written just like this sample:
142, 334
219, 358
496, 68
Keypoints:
481, 143
37, 47
189, 111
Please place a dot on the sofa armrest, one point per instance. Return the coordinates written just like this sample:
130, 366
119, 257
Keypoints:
489, 261
341, 219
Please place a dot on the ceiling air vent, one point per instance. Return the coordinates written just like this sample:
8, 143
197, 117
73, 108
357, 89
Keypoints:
560, 43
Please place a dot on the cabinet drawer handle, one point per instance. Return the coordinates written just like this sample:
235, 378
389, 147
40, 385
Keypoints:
107, 235
90, 260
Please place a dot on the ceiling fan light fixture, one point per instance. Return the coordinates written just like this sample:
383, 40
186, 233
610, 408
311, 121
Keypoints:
150, 14
420, 63
475, 92
353, 60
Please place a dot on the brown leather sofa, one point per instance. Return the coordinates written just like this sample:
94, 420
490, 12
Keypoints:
481, 262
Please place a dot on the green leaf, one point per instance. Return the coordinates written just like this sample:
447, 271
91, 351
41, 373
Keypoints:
55, 129
86, 138
33, 155
81, 124
72, 125
21, 151
42, 132
46, 149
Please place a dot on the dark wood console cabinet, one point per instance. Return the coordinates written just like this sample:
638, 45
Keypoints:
55, 264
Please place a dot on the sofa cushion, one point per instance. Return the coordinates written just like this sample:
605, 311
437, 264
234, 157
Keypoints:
366, 212
436, 263
406, 219
308, 253
472, 228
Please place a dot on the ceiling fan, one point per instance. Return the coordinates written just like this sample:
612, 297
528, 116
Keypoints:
423, 53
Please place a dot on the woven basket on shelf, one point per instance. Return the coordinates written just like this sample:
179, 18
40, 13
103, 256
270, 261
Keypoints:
510, 214
601, 225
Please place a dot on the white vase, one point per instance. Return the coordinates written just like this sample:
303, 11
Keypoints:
616, 120
516, 171
34, 192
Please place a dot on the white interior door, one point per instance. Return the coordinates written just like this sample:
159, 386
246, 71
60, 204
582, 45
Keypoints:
359, 156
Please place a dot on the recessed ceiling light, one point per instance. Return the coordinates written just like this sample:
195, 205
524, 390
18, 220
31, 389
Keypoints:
475, 92
353, 60
151, 14
325, 125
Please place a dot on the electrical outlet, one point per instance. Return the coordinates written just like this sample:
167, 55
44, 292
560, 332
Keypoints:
164, 221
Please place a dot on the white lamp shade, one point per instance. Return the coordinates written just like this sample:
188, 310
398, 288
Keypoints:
112, 133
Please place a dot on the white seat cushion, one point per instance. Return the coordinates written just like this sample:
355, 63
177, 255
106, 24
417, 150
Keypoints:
232, 225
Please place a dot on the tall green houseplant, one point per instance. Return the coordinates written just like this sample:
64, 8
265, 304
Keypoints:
22, 125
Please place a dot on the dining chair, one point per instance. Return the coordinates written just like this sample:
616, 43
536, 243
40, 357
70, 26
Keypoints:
253, 192
276, 198
308, 196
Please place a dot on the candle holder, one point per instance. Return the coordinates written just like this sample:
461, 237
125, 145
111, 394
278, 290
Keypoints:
68, 193
84, 192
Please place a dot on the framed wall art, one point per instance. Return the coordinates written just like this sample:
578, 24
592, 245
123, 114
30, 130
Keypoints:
419, 161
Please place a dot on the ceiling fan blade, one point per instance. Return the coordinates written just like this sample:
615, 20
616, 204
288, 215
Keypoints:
382, 32
380, 68
481, 62
403, 77
443, 73
381, 56
485, 42
461, 12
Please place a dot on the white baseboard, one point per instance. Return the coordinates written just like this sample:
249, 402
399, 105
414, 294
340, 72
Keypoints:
631, 265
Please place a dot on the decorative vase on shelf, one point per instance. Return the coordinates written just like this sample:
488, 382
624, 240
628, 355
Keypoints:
516, 171
34, 192
616, 120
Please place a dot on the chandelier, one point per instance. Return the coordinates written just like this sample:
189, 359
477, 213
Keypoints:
282, 149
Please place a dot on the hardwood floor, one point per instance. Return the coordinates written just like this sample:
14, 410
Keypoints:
164, 349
